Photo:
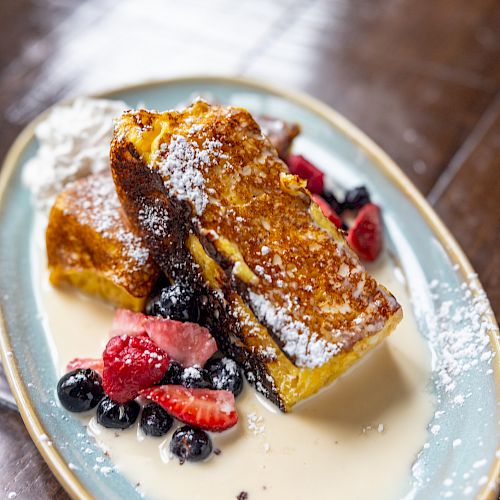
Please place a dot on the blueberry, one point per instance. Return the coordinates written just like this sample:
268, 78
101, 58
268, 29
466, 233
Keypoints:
196, 378
190, 444
226, 375
332, 201
174, 302
173, 375
155, 421
356, 198
116, 416
80, 390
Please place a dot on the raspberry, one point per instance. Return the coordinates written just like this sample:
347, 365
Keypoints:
130, 365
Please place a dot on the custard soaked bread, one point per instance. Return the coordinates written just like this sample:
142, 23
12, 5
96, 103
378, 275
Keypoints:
109, 263
281, 290
91, 245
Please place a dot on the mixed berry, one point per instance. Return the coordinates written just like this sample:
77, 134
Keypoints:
114, 415
155, 421
173, 375
166, 362
174, 302
189, 443
207, 409
196, 378
365, 234
165, 366
131, 364
80, 390
225, 375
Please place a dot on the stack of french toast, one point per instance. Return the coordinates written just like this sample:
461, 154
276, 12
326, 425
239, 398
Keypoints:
203, 197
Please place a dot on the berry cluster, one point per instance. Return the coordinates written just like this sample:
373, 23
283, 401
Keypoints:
365, 234
166, 366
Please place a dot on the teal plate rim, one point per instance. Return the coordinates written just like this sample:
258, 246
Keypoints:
62, 470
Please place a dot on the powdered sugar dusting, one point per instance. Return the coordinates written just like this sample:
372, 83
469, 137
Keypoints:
220, 378
459, 332
192, 372
154, 218
184, 167
95, 203
255, 423
307, 349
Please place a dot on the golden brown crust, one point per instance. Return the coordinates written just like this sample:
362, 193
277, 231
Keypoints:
218, 209
91, 245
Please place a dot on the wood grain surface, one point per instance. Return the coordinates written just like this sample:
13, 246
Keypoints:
422, 78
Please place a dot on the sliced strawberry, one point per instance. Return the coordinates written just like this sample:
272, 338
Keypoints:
188, 343
298, 165
131, 364
327, 210
365, 235
203, 408
92, 363
128, 322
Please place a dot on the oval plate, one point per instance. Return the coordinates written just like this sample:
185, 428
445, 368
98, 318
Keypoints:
447, 299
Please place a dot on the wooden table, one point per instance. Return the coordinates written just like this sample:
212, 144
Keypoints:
421, 77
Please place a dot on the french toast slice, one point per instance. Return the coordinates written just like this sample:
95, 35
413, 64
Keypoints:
91, 245
281, 290
119, 288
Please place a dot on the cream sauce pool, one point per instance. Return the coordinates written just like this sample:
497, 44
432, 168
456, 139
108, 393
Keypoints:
356, 439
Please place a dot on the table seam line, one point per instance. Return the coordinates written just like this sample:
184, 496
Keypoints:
465, 150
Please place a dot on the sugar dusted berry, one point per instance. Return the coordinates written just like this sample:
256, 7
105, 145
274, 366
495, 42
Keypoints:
128, 323
131, 364
226, 375
175, 302
196, 377
80, 390
203, 408
115, 415
155, 421
173, 375
188, 343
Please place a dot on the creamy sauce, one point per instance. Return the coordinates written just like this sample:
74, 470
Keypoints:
356, 439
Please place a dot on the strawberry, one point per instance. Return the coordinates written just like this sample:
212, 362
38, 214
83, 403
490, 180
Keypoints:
127, 322
365, 235
298, 165
203, 408
188, 343
92, 363
327, 210
131, 364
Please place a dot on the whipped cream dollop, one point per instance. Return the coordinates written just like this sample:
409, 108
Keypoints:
74, 142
